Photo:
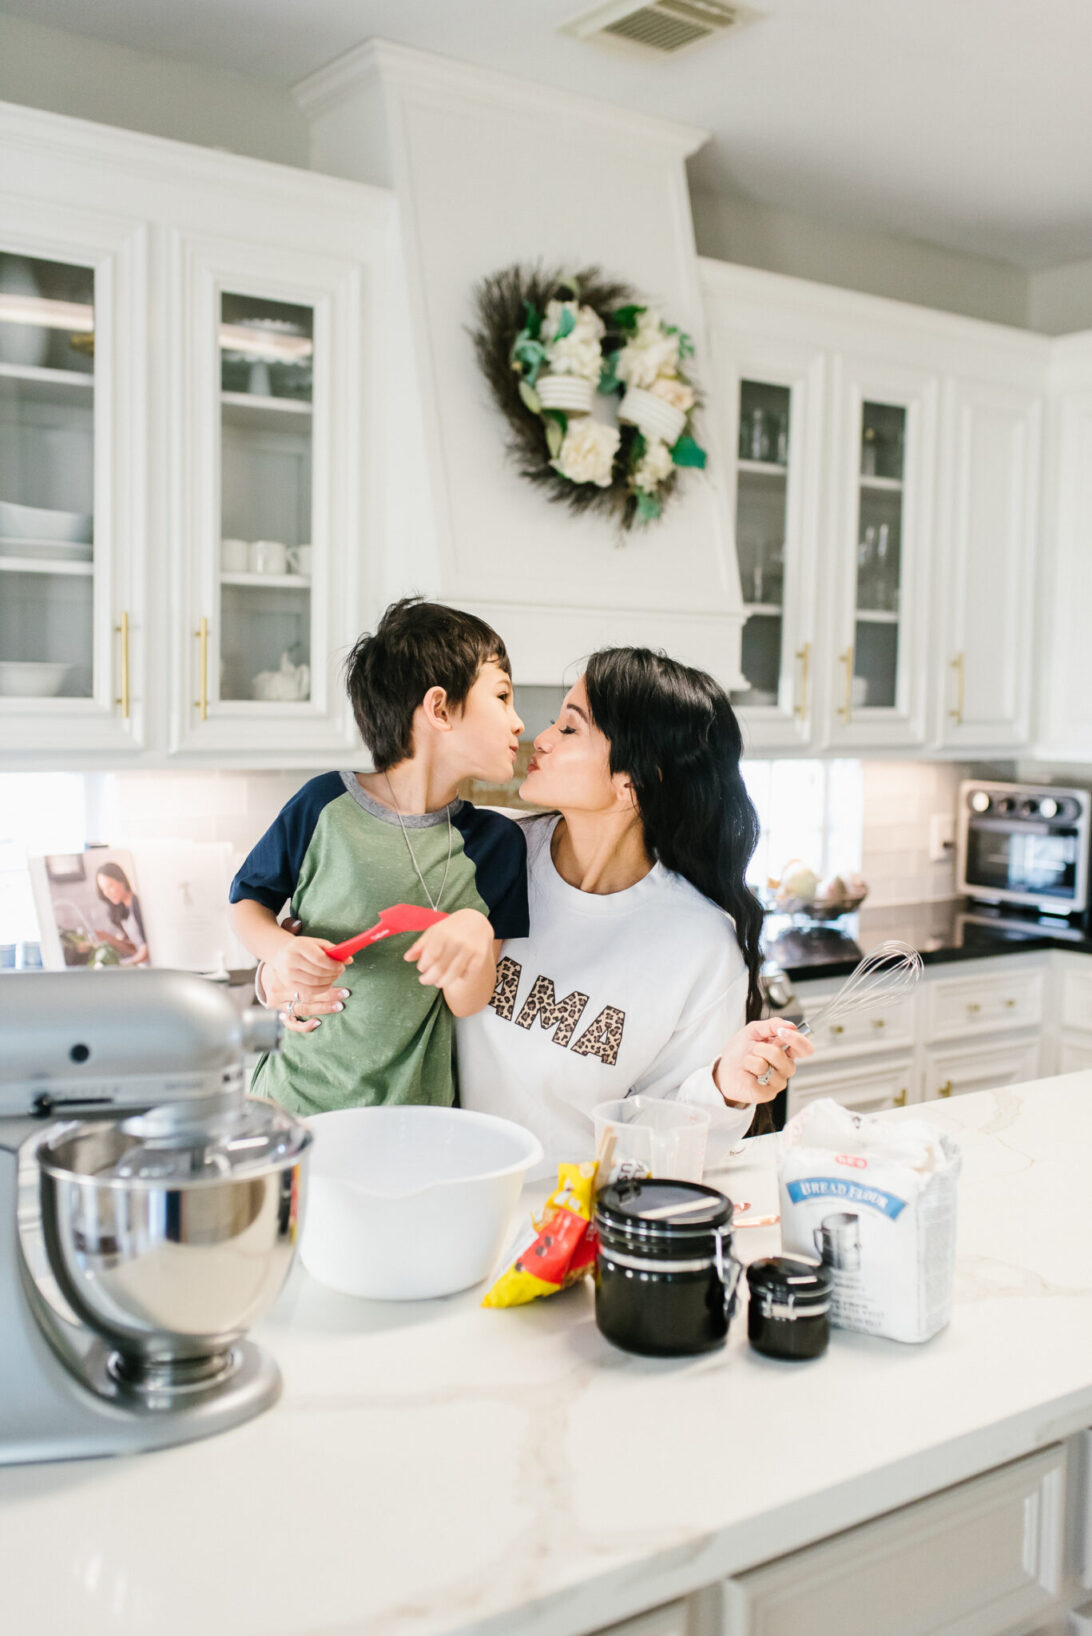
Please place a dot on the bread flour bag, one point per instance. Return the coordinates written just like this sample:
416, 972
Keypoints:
875, 1200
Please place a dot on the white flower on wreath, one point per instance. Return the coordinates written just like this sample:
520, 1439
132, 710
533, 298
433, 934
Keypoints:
649, 353
677, 393
654, 465
579, 352
587, 452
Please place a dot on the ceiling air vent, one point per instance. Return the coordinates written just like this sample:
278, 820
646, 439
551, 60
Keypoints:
663, 26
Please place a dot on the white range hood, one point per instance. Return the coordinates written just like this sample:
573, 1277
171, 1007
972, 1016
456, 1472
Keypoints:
488, 171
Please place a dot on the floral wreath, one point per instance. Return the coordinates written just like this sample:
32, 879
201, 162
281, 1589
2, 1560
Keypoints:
560, 354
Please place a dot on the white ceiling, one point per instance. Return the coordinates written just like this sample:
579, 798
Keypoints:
967, 123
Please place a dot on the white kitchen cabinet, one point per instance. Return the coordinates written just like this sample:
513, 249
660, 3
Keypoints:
772, 393
73, 488
1065, 699
923, 514
867, 1088
883, 500
948, 1071
235, 314
267, 409
1007, 997
1076, 996
1074, 1052
982, 1559
986, 567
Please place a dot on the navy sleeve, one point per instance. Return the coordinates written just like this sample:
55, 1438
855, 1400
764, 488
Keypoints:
498, 850
270, 872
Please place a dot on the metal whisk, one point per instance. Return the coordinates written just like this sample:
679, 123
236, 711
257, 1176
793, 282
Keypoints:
889, 972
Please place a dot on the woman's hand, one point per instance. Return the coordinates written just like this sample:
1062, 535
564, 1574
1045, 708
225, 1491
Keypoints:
770, 1043
304, 1015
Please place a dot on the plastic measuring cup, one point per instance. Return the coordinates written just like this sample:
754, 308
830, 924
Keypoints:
644, 1136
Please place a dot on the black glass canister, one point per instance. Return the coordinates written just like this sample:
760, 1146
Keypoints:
789, 1306
665, 1278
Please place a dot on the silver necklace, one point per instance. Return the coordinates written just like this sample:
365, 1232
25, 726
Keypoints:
433, 902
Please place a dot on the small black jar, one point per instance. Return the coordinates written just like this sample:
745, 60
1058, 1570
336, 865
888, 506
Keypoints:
665, 1279
789, 1306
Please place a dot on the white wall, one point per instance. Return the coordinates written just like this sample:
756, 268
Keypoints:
898, 800
760, 236
72, 74
1060, 299
89, 79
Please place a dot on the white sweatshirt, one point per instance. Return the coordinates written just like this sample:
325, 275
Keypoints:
636, 991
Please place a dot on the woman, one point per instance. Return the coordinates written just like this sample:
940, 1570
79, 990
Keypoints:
642, 963
123, 905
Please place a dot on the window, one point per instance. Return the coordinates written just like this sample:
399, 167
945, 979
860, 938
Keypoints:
39, 812
809, 810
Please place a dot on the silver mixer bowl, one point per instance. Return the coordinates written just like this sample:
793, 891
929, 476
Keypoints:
170, 1273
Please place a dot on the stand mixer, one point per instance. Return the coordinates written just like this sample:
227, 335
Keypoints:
149, 1212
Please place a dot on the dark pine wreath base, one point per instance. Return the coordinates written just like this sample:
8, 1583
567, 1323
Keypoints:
502, 301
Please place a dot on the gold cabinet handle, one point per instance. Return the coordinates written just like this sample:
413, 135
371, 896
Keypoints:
945, 1089
900, 1100
803, 657
847, 659
122, 630
836, 1028
202, 635
957, 713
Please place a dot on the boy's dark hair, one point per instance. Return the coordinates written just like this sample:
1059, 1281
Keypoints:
416, 645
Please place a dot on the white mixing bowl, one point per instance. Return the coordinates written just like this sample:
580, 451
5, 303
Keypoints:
405, 1203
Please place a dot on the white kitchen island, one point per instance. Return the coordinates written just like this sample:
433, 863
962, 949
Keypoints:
437, 1468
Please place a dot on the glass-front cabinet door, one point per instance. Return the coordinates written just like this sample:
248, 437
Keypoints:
71, 468
774, 458
886, 433
270, 411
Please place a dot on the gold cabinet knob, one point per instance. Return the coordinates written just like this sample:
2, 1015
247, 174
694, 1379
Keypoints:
1009, 1004
878, 1022
836, 1028
973, 1005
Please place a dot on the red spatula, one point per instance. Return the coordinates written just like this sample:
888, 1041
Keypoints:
400, 917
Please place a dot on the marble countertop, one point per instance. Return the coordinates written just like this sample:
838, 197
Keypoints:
437, 1468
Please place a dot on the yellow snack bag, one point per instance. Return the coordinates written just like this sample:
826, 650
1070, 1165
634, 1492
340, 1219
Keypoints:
558, 1248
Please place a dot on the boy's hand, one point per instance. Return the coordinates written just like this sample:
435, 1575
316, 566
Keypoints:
301, 966
456, 950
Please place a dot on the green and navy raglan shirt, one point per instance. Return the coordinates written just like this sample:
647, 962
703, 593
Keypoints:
338, 858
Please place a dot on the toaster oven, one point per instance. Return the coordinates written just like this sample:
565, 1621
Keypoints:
1026, 845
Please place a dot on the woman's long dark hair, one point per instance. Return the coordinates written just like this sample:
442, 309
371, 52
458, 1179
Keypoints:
673, 732
113, 871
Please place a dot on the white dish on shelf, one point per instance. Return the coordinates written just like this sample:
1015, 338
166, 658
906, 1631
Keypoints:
47, 550
31, 678
39, 523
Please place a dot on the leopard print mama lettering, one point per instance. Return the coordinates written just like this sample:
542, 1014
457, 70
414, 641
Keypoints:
602, 1038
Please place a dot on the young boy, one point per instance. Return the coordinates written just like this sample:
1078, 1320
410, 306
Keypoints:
432, 695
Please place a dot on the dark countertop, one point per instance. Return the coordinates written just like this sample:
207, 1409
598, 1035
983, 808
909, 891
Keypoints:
950, 930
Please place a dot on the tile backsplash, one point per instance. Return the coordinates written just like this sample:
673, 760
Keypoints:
898, 800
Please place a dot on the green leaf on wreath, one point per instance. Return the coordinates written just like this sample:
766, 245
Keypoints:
639, 447
608, 378
555, 437
648, 507
559, 417
534, 319
566, 324
530, 397
626, 317
688, 453
531, 355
